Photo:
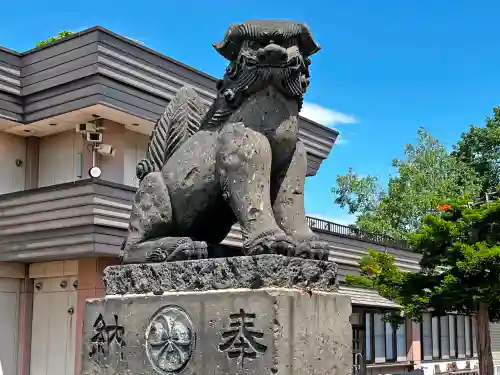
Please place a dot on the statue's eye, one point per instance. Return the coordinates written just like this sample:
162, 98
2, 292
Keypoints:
253, 44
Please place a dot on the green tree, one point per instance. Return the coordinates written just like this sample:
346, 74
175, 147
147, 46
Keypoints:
480, 148
460, 264
60, 35
426, 175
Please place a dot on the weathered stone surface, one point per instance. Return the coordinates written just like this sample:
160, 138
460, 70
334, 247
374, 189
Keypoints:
231, 332
222, 273
240, 161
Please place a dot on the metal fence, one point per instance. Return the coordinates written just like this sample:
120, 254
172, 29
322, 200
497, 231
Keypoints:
352, 232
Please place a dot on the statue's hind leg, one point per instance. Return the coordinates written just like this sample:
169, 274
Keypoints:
288, 206
150, 223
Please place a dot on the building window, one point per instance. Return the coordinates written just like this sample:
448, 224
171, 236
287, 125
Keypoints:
382, 342
474, 337
390, 343
435, 337
368, 337
401, 343
379, 342
445, 337
460, 336
427, 337
444, 330
452, 323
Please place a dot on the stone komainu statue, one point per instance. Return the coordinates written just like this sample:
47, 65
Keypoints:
239, 161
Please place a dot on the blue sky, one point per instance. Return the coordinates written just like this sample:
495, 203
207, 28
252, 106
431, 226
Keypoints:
386, 68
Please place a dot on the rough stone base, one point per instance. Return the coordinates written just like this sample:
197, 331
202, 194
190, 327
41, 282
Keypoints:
224, 332
252, 272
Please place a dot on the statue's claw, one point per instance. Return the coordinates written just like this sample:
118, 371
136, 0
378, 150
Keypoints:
313, 249
270, 242
181, 249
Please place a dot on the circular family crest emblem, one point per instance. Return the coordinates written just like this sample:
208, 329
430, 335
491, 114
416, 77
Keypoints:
170, 340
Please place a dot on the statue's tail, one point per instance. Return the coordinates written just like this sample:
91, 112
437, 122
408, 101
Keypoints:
181, 119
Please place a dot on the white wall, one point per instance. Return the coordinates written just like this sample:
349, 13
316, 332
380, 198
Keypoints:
136, 146
11, 148
9, 320
429, 367
54, 328
58, 158
495, 342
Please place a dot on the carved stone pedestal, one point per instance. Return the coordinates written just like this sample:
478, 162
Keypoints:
230, 316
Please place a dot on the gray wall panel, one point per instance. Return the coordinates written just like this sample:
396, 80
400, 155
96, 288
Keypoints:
152, 87
61, 89
11, 98
60, 59
58, 70
67, 73
129, 108
64, 108
157, 85
60, 48
8, 115
178, 69
136, 93
92, 217
9, 57
97, 66
133, 101
10, 81
52, 102
11, 107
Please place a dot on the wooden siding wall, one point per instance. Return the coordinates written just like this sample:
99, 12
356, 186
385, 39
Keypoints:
57, 158
9, 320
13, 176
136, 146
54, 327
10, 86
55, 224
495, 342
91, 218
97, 66
113, 166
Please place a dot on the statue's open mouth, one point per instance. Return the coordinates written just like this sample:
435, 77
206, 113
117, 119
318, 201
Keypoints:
294, 62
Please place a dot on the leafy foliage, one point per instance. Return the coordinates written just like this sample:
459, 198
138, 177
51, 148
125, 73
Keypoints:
426, 176
60, 35
480, 148
460, 264
459, 268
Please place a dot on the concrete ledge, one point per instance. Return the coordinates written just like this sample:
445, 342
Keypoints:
255, 272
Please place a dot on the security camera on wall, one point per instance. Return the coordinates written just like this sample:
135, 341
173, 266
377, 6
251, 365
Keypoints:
90, 127
94, 137
106, 150
85, 128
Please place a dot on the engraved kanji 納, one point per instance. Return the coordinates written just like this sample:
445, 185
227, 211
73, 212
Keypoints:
103, 337
241, 339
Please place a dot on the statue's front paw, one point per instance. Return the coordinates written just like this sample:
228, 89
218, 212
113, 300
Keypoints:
270, 242
313, 249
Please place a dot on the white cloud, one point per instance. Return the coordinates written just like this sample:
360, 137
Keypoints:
340, 141
325, 116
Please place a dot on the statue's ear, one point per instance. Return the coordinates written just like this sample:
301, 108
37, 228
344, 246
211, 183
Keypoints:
308, 45
228, 49
230, 46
